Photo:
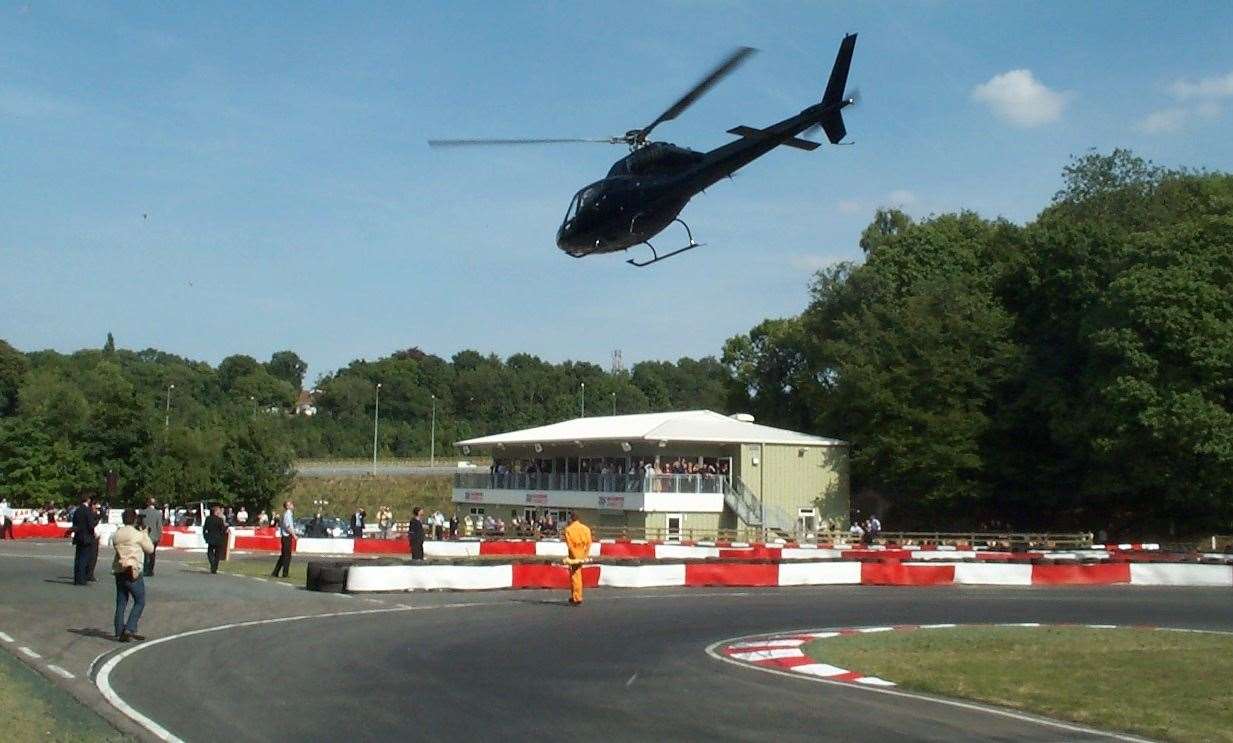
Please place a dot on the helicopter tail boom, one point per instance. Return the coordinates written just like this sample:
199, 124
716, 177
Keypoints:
833, 100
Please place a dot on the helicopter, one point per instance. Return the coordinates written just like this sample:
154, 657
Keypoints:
645, 191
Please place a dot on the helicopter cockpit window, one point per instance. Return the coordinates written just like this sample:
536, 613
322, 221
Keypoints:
584, 199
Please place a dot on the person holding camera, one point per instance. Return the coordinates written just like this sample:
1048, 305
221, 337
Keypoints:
131, 544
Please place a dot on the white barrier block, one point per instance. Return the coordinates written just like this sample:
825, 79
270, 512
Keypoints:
187, 540
679, 551
993, 574
451, 549
322, 546
1156, 574
819, 573
953, 554
641, 576
429, 577
552, 549
809, 553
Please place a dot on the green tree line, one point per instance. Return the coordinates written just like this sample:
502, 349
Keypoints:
1073, 372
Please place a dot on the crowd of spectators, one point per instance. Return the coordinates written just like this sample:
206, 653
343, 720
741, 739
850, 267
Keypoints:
613, 474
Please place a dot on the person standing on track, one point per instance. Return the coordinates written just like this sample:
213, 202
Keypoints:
286, 531
578, 540
129, 543
152, 520
215, 533
83, 540
415, 533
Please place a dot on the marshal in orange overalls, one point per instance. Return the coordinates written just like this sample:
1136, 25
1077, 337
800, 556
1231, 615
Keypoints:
578, 539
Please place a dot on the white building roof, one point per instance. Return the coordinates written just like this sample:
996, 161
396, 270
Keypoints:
690, 425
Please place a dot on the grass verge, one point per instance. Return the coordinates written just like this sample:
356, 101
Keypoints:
1167, 685
34, 709
345, 494
260, 567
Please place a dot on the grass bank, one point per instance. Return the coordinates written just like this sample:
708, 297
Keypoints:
1166, 685
345, 494
34, 709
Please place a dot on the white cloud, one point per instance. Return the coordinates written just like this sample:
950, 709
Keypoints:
849, 206
1020, 99
1164, 121
1197, 99
1219, 86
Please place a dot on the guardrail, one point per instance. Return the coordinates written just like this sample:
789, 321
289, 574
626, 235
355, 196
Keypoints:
1001, 540
591, 482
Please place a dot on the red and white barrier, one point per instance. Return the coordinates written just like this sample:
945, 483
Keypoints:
880, 573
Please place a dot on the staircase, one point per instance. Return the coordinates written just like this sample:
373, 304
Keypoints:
750, 509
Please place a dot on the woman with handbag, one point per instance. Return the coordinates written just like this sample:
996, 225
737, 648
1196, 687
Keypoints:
131, 545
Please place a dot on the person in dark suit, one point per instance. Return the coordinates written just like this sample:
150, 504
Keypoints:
357, 524
416, 534
215, 534
152, 522
83, 541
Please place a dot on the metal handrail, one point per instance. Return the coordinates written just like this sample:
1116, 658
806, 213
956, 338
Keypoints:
601, 482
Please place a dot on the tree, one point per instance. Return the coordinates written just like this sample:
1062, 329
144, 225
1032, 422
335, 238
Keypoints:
109, 348
289, 367
13, 367
234, 368
254, 467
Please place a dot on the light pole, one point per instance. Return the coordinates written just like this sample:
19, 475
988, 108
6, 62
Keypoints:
584, 399
376, 415
167, 412
432, 437
614, 403
253, 400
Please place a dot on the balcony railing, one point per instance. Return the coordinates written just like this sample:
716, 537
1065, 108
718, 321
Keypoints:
592, 482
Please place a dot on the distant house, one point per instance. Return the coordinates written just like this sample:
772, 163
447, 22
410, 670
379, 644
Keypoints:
306, 403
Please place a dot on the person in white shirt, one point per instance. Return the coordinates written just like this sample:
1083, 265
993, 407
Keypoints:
130, 543
242, 517
286, 531
6, 520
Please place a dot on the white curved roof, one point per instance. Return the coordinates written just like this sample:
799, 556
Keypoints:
690, 425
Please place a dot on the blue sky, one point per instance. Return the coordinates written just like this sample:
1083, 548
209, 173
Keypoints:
277, 151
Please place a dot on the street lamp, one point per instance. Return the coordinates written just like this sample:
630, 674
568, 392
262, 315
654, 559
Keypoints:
167, 412
614, 403
584, 400
376, 414
432, 439
253, 400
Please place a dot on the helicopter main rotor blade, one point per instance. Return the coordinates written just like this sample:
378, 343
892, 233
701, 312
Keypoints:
466, 142
724, 68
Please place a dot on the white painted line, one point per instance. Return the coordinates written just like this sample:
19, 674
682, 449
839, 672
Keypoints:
937, 626
263, 580
631, 680
770, 644
874, 681
373, 601
103, 679
819, 669
1101, 626
768, 654
875, 629
1019, 624
29, 652
5, 637
61, 671
821, 635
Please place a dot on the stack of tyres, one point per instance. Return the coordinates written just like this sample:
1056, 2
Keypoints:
327, 576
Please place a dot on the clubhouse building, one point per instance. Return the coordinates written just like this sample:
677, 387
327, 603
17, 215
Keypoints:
667, 473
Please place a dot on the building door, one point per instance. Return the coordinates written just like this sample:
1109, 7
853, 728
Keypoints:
674, 527
807, 522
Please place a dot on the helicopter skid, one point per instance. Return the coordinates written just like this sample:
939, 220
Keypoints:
657, 257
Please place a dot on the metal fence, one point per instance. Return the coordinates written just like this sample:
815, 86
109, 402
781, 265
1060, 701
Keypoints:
592, 482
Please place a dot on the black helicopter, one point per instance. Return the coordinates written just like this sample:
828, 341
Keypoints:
646, 190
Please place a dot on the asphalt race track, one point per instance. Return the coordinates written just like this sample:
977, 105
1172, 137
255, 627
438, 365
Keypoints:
627, 665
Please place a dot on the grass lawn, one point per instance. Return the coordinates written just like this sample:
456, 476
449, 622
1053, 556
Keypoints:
1167, 685
345, 494
260, 567
32, 708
